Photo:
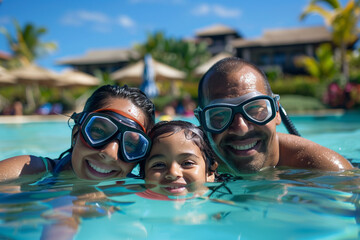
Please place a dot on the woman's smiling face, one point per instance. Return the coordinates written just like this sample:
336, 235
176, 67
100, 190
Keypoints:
175, 165
99, 164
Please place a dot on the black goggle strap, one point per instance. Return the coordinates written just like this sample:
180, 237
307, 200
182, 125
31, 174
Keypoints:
78, 117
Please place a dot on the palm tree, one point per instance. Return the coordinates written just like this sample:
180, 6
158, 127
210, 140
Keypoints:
178, 53
342, 21
322, 66
26, 46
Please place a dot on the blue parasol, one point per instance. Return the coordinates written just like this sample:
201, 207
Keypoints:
148, 85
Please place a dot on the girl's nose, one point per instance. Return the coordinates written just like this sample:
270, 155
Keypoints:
174, 172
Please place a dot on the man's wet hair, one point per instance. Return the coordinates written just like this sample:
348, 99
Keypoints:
227, 66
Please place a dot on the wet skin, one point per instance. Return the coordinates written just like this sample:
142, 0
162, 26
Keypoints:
99, 164
176, 166
245, 146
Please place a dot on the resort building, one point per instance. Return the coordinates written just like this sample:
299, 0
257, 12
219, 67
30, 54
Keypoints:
218, 38
106, 60
276, 49
4, 58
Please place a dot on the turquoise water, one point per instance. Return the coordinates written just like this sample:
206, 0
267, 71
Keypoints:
274, 204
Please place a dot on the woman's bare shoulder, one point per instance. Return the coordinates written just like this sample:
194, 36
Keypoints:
17, 166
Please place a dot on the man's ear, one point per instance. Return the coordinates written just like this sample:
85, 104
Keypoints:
278, 116
211, 174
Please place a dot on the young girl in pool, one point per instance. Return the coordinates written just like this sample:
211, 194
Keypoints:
108, 139
180, 161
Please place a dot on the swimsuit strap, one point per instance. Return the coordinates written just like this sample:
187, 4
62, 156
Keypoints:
45, 161
60, 165
45, 177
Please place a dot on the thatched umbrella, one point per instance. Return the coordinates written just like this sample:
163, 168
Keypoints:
5, 77
134, 73
32, 76
201, 70
72, 78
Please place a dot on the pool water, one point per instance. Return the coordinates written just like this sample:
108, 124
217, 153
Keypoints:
273, 204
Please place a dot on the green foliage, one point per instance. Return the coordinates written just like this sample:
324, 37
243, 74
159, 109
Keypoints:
296, 103
299, 85
191, 88
26, 46
343, 22
178, 53
161, 101
323, 66
104, 77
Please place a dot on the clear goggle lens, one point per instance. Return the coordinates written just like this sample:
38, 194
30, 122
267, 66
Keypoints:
257, 111
100, 130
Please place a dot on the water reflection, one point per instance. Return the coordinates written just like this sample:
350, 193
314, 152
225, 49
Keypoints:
270, 204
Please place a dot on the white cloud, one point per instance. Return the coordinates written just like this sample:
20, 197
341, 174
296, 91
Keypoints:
93, 17
216, 10
226, 12
97, 21
81, 17
202, 9
126, 21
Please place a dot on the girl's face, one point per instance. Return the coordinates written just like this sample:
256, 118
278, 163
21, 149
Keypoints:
175, 165
98, 164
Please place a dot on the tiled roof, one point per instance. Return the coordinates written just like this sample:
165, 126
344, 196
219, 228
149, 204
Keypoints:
217, 29
101, 56
286, 37
4, 55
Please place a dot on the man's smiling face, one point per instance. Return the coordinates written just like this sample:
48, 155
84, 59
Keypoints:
244, 146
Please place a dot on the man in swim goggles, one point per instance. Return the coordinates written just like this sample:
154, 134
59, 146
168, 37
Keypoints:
242, 144
254, 107
103, 126
240, 115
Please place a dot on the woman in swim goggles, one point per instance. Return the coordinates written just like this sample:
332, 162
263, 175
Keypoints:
102, 126
254, 107
107, 141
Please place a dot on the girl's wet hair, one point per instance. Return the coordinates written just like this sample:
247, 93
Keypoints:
191, 132
103, 95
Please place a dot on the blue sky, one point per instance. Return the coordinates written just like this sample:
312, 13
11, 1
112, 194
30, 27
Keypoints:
79, 25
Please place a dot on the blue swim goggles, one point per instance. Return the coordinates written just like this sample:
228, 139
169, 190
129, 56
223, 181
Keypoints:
103, 126
254, 107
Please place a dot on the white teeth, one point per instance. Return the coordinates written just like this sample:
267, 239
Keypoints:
100, 170
244, 147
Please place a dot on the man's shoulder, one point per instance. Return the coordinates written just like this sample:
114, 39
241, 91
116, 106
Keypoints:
299, 152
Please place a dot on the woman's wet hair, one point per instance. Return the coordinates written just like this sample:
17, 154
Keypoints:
103, 95
191, 132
